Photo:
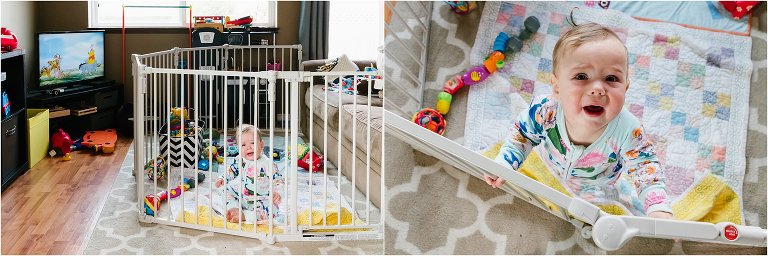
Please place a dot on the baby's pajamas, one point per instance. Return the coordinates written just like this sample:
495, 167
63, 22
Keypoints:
593, 173
254, 186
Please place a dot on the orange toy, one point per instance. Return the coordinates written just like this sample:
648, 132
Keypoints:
101, 140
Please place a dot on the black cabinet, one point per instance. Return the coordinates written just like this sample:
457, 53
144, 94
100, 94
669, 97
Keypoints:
106, 97
15, 160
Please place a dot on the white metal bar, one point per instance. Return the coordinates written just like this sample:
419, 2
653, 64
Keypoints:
325, 149
354, 148
210, 156
338, 169
368, 158
295, 160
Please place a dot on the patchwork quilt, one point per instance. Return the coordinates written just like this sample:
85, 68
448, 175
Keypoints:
690, 89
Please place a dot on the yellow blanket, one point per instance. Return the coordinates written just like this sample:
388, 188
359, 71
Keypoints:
218, 221
708, 200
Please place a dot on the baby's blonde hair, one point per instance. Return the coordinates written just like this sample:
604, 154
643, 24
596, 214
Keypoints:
247, 128
579, 35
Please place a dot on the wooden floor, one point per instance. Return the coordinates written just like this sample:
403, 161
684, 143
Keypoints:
53, 208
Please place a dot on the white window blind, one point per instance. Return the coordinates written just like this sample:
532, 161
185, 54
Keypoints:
162, 14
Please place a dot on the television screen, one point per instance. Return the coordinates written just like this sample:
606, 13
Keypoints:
67, 58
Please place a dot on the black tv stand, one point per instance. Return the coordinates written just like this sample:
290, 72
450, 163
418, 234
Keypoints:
107, 98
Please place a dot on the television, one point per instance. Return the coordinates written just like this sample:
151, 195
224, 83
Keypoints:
70, 58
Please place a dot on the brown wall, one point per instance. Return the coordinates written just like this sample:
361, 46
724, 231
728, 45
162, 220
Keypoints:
19, 17
48, 17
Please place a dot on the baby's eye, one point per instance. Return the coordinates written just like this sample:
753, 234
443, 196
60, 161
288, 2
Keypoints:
581, 76
612, 78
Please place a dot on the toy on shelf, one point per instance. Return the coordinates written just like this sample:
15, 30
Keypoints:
150, 200
430, 119
62, 144
216, 22
433, 119
8, 41
305, 154
100, 140
6, 104
462, 7
244, 21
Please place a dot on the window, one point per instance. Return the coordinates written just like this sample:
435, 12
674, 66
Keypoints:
108, 14
355, 29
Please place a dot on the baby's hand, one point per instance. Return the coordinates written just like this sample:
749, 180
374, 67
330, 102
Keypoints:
219, 182
661, 215
234, 215
495, 182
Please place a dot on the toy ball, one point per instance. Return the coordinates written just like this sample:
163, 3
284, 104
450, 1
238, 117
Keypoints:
8, 40
161, 168
430, 119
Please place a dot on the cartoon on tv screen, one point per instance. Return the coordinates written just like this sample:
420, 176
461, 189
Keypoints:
70, 57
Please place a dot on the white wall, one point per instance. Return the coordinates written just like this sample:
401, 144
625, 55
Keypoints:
19, 17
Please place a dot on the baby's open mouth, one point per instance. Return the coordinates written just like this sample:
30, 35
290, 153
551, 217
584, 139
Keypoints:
593, 110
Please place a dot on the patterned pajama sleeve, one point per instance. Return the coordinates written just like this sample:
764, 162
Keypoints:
645, 172
526, 134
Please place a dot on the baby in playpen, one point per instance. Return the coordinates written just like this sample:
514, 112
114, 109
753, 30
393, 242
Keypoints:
582, 132
253, 183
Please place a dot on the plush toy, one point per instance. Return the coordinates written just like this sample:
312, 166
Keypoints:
430, 119
739, 9
8, 41
61, 143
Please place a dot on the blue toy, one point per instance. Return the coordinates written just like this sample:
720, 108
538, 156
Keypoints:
203, 164
6, 105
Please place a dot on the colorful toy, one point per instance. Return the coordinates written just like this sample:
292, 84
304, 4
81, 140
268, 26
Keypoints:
305, 154
462, 7
430, 119
244, 21
503, 44
62, 144
443, 102
150, 200
8, 41
162, 168
6, 104
100, 140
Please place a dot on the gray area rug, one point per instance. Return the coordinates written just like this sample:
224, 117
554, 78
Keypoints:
434, 208
118, 231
